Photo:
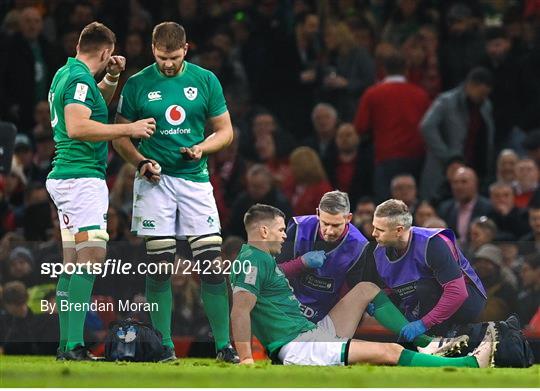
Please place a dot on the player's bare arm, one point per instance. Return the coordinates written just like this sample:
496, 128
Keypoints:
80, 127
131, 154
221, 138
243, 303
108, 85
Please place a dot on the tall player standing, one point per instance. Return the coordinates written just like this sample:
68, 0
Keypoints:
77, 181
173, 196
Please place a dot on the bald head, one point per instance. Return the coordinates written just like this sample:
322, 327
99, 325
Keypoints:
30, 23
464, 185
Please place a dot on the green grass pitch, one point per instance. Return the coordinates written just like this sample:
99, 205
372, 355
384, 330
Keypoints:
32, 371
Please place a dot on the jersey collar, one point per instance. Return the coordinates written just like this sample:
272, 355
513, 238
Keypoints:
75, 61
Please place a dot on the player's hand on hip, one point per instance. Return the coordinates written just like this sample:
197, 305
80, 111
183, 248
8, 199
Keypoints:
143, 128
412, 330
116, 65
151, 170
314, 259
192, 153
247, 361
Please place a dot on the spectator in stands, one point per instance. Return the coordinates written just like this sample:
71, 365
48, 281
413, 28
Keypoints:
264, 123
189, 317
36, 214
17, 322
465, 204
121, 195
292, 72
506, 166
424, 70
266, 146
44, 154
347, 169
529, 296
462, 47
482, 231
227, 175
530, 243
260, 188
7, 217
42, 118
444, 191
310, 181
405, 20
501, 296
532, 145
459, 123
324, 118
347, 69
403, 188
20, 266
527, 180
423, 212
391, 111
363, 216
26, 83
23, 156
504, 213
504, 96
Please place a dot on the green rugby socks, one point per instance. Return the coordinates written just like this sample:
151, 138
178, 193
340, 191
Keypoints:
80, 291
391, 317
62, 295
215, 298
409, 358
160, 292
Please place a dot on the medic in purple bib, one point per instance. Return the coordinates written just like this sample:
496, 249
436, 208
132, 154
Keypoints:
325, 250
436, 285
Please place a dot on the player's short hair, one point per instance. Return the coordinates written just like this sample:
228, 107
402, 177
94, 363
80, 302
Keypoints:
261, 212
335, 202
396, 211
168, 36
94, 36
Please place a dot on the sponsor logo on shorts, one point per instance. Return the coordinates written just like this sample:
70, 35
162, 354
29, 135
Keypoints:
154, 95
65, 218
149, 224
210, 221
190, 92
175, 115
105, 216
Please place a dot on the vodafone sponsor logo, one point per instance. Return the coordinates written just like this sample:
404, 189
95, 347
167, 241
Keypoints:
175, 115
168, 132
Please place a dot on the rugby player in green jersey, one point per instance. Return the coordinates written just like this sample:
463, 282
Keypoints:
76, 182
264, 302
173, 197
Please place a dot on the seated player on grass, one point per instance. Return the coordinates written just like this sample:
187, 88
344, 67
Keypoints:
264, 301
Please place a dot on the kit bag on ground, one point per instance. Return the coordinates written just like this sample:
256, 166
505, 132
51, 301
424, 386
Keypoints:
513, 349
131, 340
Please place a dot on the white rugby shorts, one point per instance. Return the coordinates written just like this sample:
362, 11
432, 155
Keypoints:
82, 203
173, 207
320, 346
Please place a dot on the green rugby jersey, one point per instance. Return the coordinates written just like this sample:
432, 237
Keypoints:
276, 318
181, 106
73, 83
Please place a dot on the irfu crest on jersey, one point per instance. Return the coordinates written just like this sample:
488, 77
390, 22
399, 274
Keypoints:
190, 92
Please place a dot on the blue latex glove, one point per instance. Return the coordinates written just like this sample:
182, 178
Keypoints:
314, 259
370, 309
412, 330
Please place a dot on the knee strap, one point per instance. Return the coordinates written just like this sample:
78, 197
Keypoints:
160, 249
207, 248
91, 238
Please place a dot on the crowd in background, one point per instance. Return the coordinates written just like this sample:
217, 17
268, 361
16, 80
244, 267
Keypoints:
433, 102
